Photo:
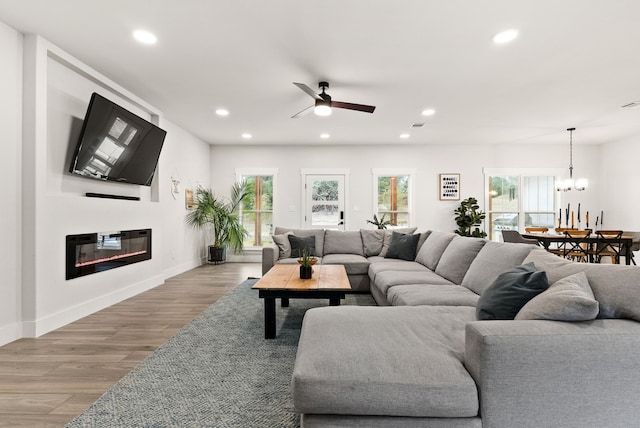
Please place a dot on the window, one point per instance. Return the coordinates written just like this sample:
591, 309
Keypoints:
392, 196
516, 200
256, 212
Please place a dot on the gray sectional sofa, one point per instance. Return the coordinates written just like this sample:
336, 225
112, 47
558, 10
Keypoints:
423, 359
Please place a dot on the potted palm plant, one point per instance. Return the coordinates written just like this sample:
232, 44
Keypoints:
222, 215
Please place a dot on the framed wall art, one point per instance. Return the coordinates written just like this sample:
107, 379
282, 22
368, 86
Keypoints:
449, 187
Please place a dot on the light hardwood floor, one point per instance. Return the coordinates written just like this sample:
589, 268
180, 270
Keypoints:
46, 382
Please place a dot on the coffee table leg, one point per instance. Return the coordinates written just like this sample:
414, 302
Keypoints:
334, 301
284, 302
269, 318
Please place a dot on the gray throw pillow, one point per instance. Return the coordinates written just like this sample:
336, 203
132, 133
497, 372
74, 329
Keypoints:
284, 247
402, 246
299, 243
511, 290
569, 299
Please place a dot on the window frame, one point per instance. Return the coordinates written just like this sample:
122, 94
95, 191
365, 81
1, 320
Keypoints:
376, 173
241, 173
520, 173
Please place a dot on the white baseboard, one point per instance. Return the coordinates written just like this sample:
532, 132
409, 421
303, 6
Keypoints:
44, 325
176, 270
10, 332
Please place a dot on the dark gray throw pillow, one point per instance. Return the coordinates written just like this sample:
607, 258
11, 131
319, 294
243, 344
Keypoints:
511, 290
299, 243
402, 246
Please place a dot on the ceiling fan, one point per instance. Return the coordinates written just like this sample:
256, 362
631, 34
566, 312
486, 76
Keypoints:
324, 104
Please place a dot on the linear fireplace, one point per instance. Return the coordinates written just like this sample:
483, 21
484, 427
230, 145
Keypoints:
96, 252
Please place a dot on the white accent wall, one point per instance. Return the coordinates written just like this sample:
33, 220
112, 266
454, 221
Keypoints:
48, 92
10, 180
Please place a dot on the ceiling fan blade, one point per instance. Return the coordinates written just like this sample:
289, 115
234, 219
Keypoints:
351, 106
308, 90
303, 112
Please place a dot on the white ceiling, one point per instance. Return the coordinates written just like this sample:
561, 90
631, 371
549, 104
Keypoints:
574, 64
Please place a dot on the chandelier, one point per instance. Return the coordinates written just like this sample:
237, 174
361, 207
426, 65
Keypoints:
567, 184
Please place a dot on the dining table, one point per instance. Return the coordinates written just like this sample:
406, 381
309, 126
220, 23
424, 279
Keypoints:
547, 239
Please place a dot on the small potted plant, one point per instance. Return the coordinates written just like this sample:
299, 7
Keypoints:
380, 224
306, 263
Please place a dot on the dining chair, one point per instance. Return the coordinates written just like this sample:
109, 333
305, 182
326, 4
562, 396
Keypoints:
515, 236
536, 229
608, 244
635, 243
576, 247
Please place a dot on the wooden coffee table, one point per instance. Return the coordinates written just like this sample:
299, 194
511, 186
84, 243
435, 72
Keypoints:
283, 282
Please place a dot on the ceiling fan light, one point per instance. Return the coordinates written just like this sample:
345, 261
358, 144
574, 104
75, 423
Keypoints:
322, 108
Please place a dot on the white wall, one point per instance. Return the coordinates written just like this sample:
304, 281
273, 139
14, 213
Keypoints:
428, 161
10, 213
56, 93
621, 184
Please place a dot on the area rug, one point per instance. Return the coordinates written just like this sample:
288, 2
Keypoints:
217, 371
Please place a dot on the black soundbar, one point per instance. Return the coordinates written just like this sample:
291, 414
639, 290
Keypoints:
104, 195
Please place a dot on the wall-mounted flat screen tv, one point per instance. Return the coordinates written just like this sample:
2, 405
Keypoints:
116, 145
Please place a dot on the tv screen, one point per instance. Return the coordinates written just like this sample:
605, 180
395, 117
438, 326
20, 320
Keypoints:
116, 145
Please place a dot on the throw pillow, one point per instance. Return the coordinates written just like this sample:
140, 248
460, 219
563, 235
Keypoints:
569, 299
284, 247
402, 246
511, 290
299, 243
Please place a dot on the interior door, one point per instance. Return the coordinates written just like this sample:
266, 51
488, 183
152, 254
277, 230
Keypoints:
324, 202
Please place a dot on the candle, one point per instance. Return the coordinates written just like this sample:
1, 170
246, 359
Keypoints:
578, 213
597, 218
601, 218
571, 219
587, 218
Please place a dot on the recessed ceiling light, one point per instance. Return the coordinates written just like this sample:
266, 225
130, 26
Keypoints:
324, 136
505, 36
222, 112
404, 136
247, 136
428, 112
145, 37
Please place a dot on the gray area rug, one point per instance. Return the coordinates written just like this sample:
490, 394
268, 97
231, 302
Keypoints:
217, 371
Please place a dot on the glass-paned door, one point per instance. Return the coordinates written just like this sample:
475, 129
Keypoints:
324, 201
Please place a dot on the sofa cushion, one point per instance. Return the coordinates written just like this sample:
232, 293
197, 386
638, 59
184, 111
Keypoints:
432, 249
387, 279
339, 242
371, 368
403, 246
423, 238
615, 287
379, 264
387, 237
510, 291
284, 246
458, 256
430, 294
318, 233
353, 263
300, 243
569, 299
372, 241
493, 259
